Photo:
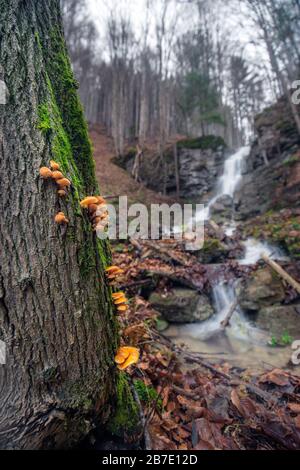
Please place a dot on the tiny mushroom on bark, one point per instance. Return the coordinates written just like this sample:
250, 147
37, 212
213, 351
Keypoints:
63, 182
45, 172
54, 166
60, 218
57, 175
61, 193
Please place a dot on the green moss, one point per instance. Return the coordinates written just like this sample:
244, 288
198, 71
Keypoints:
148, 395
276, 228
206, 142
126, 417
211, 245
64, 88
44, 123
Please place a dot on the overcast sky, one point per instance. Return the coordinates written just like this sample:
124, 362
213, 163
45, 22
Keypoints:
238, 26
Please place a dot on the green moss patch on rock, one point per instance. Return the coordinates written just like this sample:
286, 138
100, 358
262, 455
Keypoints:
206, 142
281, 228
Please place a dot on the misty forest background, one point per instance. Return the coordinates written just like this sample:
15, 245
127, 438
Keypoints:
187, 67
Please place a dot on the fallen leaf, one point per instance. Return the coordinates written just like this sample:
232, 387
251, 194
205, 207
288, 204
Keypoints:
294, 407
277, 377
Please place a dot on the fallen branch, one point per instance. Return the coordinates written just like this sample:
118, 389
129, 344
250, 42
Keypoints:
228, 317
282, 273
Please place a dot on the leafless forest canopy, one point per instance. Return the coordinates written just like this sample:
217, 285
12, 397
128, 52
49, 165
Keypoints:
190, 67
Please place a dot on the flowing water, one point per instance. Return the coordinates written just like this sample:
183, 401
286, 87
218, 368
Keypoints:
240, 343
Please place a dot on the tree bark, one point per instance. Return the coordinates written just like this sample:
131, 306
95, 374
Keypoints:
55, 309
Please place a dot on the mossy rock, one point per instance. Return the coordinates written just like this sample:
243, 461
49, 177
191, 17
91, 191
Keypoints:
206, 142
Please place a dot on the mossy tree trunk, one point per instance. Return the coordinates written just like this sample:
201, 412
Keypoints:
55, 309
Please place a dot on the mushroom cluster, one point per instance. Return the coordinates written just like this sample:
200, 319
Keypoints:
98, 212
54, 173
120, 301
112, 273
126, 356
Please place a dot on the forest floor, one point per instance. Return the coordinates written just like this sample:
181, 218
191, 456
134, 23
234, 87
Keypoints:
186, 402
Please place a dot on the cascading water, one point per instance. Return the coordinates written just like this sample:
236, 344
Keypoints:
224, 295
229, 180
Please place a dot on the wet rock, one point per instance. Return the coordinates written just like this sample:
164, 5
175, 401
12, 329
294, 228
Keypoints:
182, 306
263, 289
279, 320
199, 170
222, 209
214, 251
272, 175
200, 164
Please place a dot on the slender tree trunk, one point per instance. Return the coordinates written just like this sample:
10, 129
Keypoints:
55, 309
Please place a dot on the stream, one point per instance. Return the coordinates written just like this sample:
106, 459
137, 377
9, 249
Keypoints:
241, 343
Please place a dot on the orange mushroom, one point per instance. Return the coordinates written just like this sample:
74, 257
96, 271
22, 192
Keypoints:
45, 172
63, 182
113, 272
85, 203
61, 193
54, 166
126, 356
57, 175
101, 200
60, 218
120, 301
117, 295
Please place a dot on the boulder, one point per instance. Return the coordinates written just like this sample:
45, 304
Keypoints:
182, 305
281, 319
262, 289
213, 251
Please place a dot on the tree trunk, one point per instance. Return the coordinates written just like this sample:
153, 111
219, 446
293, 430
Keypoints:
55, 309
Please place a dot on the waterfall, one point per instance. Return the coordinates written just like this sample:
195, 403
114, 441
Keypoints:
224, 294
232, 174
228, 182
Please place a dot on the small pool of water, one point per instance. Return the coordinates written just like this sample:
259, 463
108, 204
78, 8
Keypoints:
224, 346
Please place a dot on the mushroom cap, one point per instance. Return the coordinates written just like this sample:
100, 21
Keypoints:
132, 358
61, 193
45, 172
121, 356
120, 301
63, 182
60, 218
85, 203
54, 166
57, 175
122, 308
112, 269
117, 295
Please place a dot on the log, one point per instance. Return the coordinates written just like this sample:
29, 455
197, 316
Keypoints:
228, 317
282, 273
